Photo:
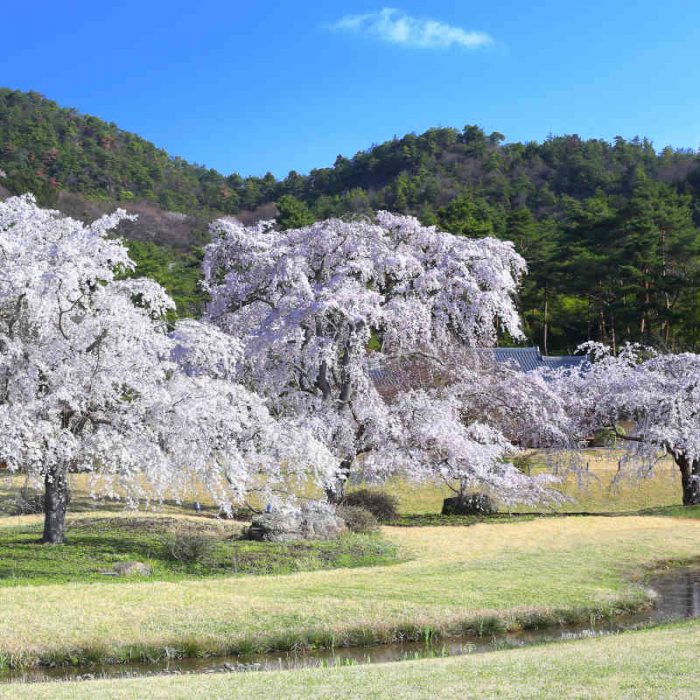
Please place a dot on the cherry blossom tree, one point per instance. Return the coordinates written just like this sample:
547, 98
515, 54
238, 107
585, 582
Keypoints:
92, 380
322, 307
461, 422
223, 434
650, 400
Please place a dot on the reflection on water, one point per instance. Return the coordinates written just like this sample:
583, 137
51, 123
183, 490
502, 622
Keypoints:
679, 595
678, 592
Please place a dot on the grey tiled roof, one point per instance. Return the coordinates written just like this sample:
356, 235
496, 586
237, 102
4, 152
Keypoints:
524, 359
529, 359
384, 376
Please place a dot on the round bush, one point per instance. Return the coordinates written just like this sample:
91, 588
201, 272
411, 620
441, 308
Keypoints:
380, 504
358, 519
189, 545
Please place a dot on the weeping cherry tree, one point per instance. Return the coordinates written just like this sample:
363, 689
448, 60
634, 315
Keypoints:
92, 380
320, 308
650, 400
462, 421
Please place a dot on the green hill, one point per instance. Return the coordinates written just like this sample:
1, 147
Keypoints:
609, 229
49, 149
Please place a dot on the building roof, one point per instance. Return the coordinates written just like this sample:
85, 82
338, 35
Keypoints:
385, 377
525, 359
530, 359
390, 379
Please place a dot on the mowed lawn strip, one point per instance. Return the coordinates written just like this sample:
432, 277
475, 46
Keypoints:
660, 663
546, 569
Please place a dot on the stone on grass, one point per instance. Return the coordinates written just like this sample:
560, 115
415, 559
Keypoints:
312, 521
473, 504
131, 568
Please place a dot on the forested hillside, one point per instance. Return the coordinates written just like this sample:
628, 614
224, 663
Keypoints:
610, 230
46, 149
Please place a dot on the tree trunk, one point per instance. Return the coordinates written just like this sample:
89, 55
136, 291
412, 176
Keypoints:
336, 492
589, 321
55, 505
690, 479
545, 330
613, 334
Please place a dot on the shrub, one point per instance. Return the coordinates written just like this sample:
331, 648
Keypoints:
472, 504
243, 513
189, 544
27, 504
605, 437
380, 504
358, 519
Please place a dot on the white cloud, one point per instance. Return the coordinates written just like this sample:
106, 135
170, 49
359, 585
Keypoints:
396, 27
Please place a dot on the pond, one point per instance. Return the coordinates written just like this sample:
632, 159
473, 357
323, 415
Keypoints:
678, 598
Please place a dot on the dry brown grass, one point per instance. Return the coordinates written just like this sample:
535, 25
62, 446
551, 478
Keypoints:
597, 488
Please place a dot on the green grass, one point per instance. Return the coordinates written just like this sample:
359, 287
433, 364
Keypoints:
500, 573
659, 663
451, 581
435, 519
95, 544
673, 511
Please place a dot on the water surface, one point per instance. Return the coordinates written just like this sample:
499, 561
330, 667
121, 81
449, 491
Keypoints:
678, 598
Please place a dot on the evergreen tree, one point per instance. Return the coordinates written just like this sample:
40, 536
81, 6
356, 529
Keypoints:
293, 213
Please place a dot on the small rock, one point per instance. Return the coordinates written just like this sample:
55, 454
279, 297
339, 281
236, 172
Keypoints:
131, 568
312, 521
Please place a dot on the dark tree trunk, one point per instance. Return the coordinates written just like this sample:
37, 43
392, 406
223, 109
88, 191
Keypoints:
336, 492
55, 505
545, 330
690, 479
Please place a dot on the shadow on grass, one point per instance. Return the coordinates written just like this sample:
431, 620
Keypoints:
436, 519
93, 546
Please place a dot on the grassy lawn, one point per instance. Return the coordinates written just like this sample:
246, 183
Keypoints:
660, 663
504, 573
95, 544
457, 579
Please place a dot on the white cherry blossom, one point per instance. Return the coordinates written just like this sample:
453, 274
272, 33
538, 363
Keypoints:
321, 310
92, 380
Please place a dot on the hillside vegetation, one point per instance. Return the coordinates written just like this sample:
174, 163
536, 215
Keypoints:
46, 149
610, 230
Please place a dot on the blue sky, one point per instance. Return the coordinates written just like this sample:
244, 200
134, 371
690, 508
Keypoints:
251, 87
